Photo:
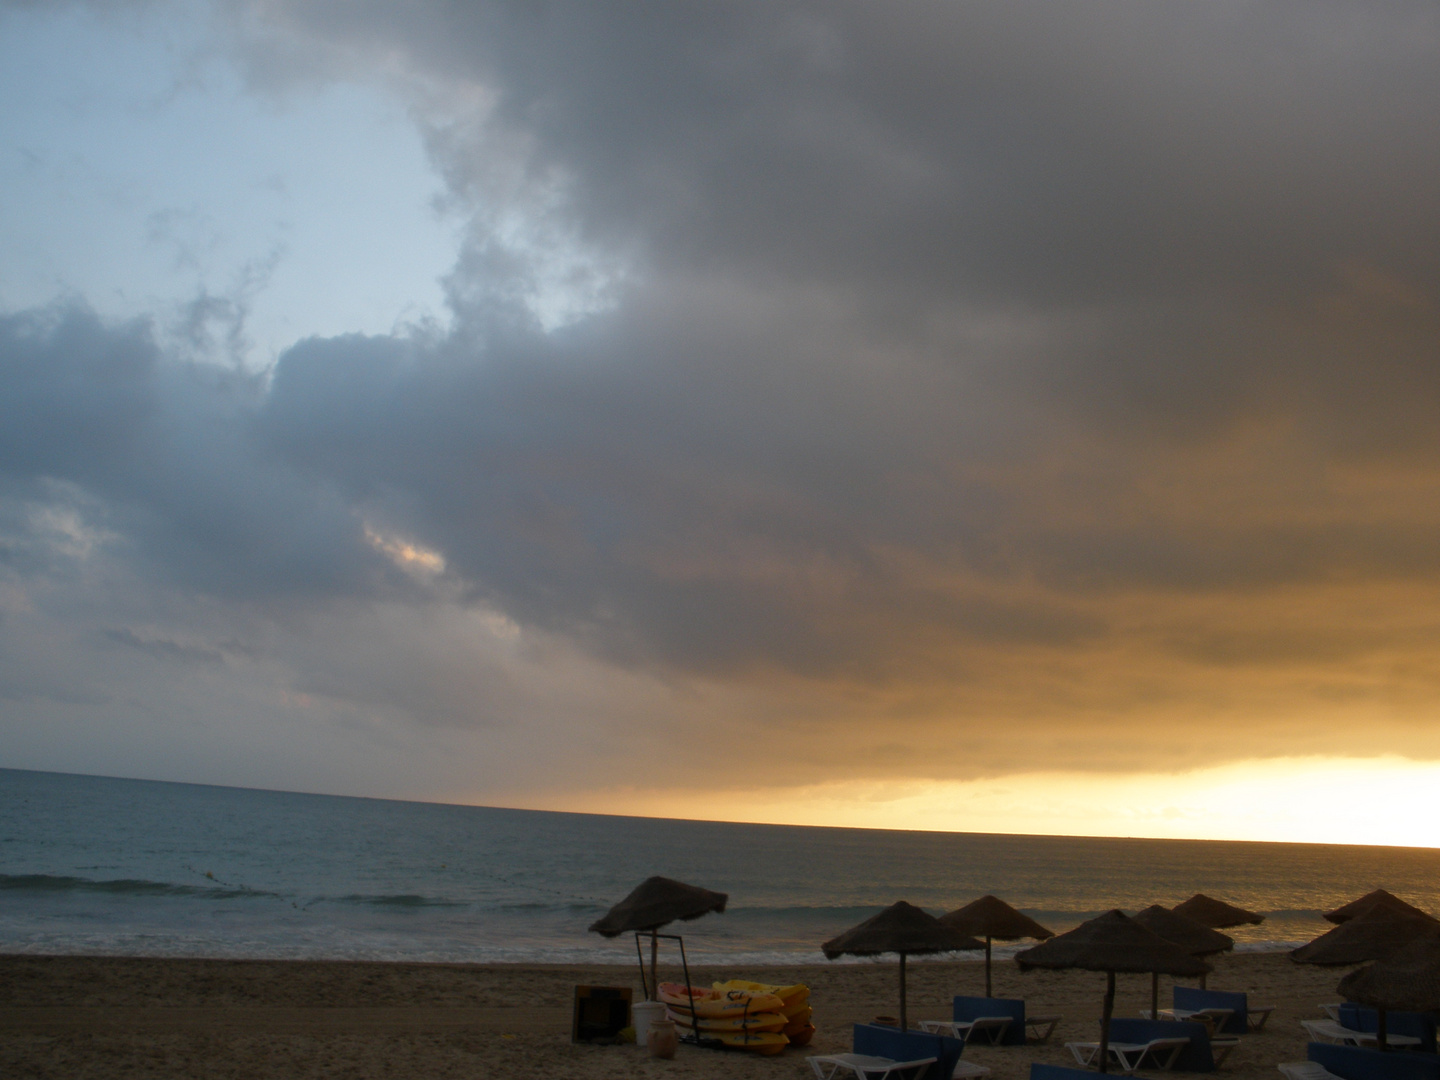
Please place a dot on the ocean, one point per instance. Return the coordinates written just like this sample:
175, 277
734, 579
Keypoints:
133, 867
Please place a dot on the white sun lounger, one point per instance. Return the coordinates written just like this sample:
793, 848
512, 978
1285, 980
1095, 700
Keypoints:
1256, 1015
1034, 1024
1305, 1070
1331, 1032
1130, 1056
867, 1067
1220, 1048
1213, 1019
983, 1029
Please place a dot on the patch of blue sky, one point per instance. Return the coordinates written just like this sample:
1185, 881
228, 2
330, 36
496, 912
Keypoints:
139, 173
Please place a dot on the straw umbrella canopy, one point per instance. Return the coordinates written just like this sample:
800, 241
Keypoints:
1371, 936
992, 918
1406, 978
1189, 935
901, 928
1371, 900
650, 905
1111, 942
1216, 914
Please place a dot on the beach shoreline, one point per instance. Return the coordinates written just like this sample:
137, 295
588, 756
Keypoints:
91, 1016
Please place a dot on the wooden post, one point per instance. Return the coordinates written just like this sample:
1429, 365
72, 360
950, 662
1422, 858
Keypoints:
987, 967
904, 1020
654, 950
1154, 995
1380, 1030
1105, 1021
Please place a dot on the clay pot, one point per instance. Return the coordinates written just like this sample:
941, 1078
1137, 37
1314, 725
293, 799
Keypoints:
663, 1039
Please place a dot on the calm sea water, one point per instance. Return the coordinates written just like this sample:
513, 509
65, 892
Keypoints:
99, 865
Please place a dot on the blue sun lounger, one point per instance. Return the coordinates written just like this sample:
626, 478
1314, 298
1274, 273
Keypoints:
886, 1053
1362, 1063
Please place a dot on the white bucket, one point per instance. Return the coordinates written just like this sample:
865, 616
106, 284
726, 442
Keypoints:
643, 1014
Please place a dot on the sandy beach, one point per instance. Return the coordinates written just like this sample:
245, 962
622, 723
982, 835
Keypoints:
83, 1017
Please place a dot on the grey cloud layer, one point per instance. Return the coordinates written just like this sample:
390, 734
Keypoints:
1031, 361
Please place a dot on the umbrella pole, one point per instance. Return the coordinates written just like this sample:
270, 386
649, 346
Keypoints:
1154, 995
640, 958
904, 1020
654, 951
1105, 1021
1380, 1030
987, 967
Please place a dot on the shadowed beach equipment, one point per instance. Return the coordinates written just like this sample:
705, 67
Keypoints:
1185, 933
992, 918
1369, 902
1381, 932
1216, 914
1408, 980
652, 904
1111, 942
901, 928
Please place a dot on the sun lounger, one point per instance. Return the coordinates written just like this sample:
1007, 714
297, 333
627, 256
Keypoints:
1364, 1063
1040, 1028
1305, 1070
1243, 1016
889, 1053
1215, 1020
867, 1067
1257, 1015
1221, 1046
1201, 1054
1398, 1022
1328, 1031
1163, 1053
984, 1029
965, 1010
1332, 1010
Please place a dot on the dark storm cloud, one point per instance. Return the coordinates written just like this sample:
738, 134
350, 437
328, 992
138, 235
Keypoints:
1019, 352
167, 450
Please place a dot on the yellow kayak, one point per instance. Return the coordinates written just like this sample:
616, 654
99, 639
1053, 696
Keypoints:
801, 1037
792, 998
716, 1004
761, 1042
800, 1020
765, 1021
782, 992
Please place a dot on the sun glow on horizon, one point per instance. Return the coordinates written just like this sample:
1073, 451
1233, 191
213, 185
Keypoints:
1328, 800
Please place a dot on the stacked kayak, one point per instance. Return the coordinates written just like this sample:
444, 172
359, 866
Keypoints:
739, 1018
794, 1006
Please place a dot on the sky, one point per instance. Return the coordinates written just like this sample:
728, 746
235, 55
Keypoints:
1017, 417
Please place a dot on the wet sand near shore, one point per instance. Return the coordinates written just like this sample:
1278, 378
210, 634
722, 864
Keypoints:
103, 1017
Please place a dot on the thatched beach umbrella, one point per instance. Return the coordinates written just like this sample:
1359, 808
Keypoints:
992, 918
1189, 935
650, 905
1216, 914
1369, 902
901, 928
1111, 942
1407, 980
1371, 936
